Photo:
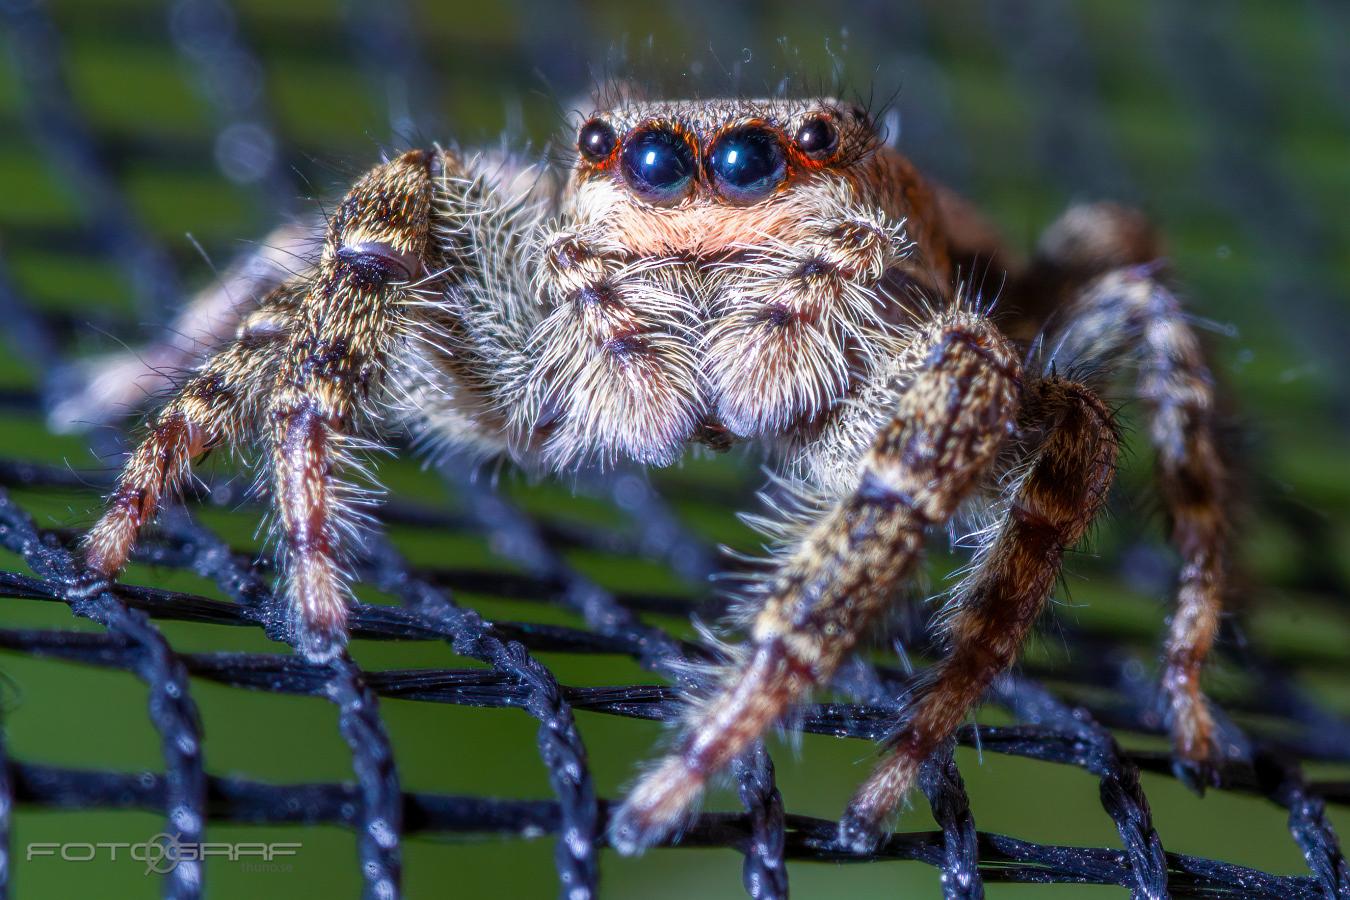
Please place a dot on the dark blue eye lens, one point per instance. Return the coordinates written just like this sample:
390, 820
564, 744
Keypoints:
747, 163
817, 138
658, 165
596, 140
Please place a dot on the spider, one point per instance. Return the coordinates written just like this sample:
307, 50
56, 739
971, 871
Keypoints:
715, 272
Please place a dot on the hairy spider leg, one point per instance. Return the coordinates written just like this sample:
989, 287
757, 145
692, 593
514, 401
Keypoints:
948, 426
1048, 507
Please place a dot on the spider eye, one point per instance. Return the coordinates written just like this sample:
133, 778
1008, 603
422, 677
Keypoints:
817, 137
596, 140
747, 163
658, 165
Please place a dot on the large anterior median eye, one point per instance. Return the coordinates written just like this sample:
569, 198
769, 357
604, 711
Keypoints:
747, 163
658, 165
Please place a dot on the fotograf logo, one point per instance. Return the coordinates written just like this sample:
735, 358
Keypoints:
163, 852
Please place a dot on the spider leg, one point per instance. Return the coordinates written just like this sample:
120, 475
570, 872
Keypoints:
216, 405
948, 426
345, 328
110, 387
1050, 505
1129, 314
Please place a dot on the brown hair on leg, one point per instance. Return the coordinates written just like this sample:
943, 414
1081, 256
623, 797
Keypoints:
115, 386
1130, 314
1050, 508
345, 328
216, 404
1176, 385
948, 426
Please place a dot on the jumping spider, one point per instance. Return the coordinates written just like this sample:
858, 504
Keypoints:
714, 272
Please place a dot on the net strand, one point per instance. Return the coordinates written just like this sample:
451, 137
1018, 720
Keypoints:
474, 687
517, 538
172, 710
559, 743
228, 75
1003, 859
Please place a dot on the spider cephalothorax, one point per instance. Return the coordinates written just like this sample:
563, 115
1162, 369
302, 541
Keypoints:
713, 272
722, 266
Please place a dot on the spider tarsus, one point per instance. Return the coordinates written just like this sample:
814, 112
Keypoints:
858, 834
86, 584
656, 809
1196, 774
629, 836
319, 643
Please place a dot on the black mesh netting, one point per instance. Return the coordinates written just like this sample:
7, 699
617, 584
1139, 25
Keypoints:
216, 56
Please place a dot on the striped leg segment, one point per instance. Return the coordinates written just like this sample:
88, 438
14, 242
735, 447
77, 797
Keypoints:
948, 426
216, 405
345, 328
1128, 314
1049, 508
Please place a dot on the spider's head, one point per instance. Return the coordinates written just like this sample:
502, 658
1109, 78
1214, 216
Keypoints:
716, 274
696, 178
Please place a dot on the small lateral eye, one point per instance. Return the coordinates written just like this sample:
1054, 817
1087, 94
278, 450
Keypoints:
747, 163
658, 165
596, 140
817, 137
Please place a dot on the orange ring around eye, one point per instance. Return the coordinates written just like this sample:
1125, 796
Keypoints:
596, 140
817, 158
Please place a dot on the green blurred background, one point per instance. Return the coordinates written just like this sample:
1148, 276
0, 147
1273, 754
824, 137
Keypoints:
1228, 122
